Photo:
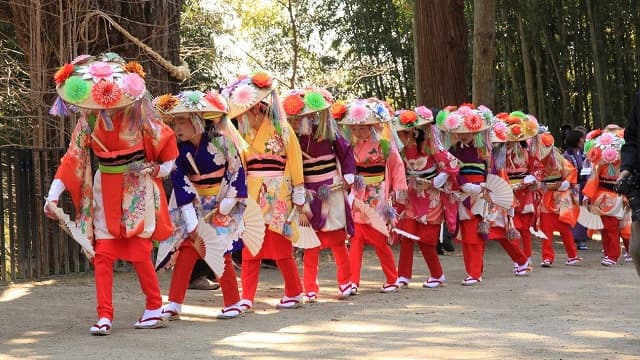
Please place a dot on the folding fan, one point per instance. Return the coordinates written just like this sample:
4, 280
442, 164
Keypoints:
589, 220
500, 191
253, 234
377, 222
408, 235
537, 233
71, 228
211, 246
308, 238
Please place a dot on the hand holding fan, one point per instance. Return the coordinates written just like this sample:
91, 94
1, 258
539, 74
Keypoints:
589, 220
70, 227
499, 191
377, 222
308, 238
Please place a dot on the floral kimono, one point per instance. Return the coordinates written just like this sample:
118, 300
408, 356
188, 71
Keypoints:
563, 203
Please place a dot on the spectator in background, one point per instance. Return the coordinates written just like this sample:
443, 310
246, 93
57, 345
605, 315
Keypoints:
563, 135
574, 143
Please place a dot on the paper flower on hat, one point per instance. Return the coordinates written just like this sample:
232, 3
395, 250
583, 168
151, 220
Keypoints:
358, 113
606, 139
468, 105
193, 100
473, 122
81, 59
452, 121
135, 67
610, 155
166, 102
76, 90
315, 100
63, 73
262, 80
292, 104
424, 112
244, 95
547, 139
588, 145
464, 110
533, 120
106, 93
215, 100
595, 155
338, 110
532, 127
500, 130
408, 117
133, 86
99, 71
516, 130
593, 134
327, 95
381, 111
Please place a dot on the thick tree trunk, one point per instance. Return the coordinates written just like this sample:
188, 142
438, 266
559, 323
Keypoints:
599, 66
441, 52
484, 49
528, 70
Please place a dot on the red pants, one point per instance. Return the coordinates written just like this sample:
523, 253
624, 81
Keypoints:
187, 257
472, 247
429, 236
365, 234
611, 237
277, 244
335, 240
550, 222
138, 252
523, 222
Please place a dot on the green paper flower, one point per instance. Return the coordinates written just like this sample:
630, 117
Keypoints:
76, 90
588, 145
519, 114
315, 100
440, 117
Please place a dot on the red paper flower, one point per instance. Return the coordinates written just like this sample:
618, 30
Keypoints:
468, 105
473, 122
502, 116
338, 110
516, 130
408, 117
214, 99
63, 73
512, 120
106, 93
262, 80
292, 104
594, 155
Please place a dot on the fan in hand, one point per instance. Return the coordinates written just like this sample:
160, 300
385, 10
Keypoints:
377, 222
308, 238
589, 220
500, 192
254, 230
70, 227
211, 246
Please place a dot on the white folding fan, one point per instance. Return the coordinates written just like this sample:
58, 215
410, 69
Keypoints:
308, 238
377, 222
253, 234
70, 227
500, 191
211, 246
589, 220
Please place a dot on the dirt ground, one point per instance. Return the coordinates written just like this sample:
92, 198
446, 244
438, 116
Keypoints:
583, 312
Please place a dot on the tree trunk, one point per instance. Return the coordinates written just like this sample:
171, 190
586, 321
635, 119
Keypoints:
484, 40
599, 66
528, 70
441, 52
294, 45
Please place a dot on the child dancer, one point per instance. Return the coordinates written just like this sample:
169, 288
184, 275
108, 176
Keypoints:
329, 168
381, 173
431, 174
274, 178
123, 206
210, 164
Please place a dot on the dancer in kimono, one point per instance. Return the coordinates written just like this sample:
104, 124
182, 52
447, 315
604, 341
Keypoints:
275, 180
559, 205
431, 175
380, 174
208, 176
469, 127
603, 152
329, 168
123, 206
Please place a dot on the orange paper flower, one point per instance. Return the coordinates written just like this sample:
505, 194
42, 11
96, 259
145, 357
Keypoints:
338, 110
547, 139
135, 67
408, 117
473, 122
166, 102
292, 104
512, 120
262, 80
63, 73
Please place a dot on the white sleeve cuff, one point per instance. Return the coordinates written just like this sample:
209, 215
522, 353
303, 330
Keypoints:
349, 178
57, 187
440, 179
165, 168
226, 205
298, 197
189, 216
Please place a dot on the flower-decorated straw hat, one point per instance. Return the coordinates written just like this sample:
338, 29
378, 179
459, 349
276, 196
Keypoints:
210, 104
361, 112
100, 82
464, 119
301, 102
247, 91
411, 119
603, 147
516, 126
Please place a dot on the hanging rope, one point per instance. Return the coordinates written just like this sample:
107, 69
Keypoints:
181, 72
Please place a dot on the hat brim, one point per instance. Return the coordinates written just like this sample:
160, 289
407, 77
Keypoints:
463, 129
420, 122
494, 139
306, 111
235, 110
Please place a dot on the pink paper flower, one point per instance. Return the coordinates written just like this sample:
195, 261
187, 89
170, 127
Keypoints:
358, 113
452, 122
610, 155
80, 59
101, 71
500, 130
244, 95
424, 112
464, 110
606, 139
133, 86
